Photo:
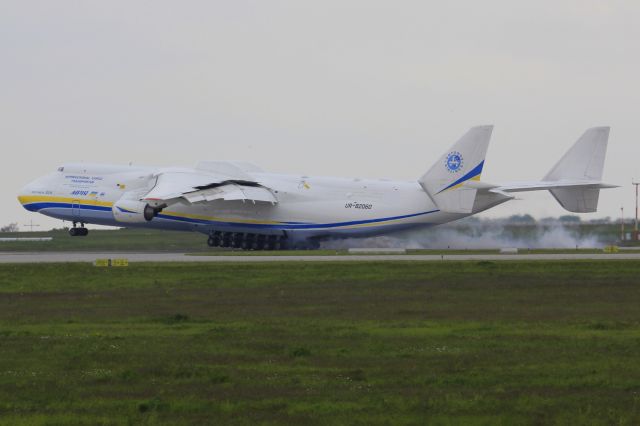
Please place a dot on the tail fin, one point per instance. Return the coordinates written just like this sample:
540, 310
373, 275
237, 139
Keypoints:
461, 163
575, 180
585, 159
583, 162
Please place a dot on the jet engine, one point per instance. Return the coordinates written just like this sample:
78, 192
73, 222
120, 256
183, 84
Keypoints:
130, 211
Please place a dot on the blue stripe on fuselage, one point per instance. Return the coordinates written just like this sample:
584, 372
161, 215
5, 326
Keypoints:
284, 225
34, 207
290, 226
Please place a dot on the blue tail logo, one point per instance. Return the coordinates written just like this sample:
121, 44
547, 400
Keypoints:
454, 162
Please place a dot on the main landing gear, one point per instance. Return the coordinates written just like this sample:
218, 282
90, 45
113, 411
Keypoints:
247, 241
78, 232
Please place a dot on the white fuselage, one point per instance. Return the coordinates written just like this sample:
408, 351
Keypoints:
238, 205
307, 207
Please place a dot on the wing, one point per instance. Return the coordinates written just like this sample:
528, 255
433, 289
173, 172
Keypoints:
201, 187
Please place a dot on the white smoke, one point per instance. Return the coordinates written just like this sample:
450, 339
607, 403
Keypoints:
474, 236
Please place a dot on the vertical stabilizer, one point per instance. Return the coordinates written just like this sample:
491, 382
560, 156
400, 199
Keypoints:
583, 162
585, 159
444, 182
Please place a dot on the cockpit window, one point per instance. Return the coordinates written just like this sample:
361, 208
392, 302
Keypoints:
61, 169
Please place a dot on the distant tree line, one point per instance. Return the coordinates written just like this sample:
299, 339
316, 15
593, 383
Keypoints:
12, 227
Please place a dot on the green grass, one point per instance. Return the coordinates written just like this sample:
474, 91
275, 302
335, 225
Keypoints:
305, 343
108, 240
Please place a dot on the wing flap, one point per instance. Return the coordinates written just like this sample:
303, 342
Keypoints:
195, 187
232, 192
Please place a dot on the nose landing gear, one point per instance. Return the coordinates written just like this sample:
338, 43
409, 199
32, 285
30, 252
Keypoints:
78, 232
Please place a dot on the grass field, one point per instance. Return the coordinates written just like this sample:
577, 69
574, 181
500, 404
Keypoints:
363, 343
108, 240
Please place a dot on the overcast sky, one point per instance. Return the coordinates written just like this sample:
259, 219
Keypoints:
346, 88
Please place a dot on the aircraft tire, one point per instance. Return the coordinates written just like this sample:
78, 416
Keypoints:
249, 241
226, 239
282, 244
260, 242
237, 240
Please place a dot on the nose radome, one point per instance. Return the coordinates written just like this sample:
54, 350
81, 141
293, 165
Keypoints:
24, 196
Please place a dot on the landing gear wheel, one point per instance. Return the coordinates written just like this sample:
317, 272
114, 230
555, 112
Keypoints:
248, 242
282, 244
238, 240
78, 232
211, 242
260, 242
271, 242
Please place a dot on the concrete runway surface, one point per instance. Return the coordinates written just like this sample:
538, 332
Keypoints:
62, 257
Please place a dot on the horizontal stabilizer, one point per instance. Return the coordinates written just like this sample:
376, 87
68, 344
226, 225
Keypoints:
575, 180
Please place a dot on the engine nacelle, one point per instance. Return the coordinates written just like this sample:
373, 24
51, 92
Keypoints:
130, 211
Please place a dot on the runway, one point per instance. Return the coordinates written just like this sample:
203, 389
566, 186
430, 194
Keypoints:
89, 257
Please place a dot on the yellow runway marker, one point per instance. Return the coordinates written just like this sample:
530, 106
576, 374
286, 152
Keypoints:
105, 263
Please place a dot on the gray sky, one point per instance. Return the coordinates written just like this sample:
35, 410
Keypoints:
347, 88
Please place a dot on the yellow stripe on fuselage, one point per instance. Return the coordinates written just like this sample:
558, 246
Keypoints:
30, 199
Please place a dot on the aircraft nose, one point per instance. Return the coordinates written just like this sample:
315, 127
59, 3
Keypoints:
24, 196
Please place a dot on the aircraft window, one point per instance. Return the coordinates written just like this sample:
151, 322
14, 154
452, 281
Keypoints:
61, 169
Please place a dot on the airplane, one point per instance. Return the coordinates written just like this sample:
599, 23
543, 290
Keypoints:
238, 205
